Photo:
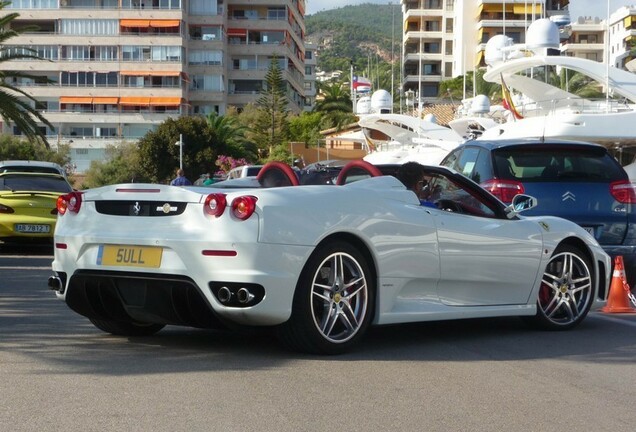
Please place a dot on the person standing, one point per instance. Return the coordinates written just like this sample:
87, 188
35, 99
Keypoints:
181, 179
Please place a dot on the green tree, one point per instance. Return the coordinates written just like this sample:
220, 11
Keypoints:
334, 105
18, 148
121, 166
230, 133
305, 128
12, 108
159, 156
271, 125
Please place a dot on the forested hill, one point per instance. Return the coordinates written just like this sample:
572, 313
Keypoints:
354, 33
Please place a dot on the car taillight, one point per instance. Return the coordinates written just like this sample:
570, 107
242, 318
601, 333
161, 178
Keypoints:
505, 190
70, 202
6, 209
623, 191
243, 207
215, 204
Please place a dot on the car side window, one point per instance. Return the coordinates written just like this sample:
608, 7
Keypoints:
450, 161
467, 161
449, 195
483, 168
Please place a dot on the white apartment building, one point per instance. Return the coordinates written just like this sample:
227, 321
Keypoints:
622, 29
311, 62
587, 39
443, 39
118, 68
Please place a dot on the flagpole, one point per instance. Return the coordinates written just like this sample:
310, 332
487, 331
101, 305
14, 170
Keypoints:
607, 61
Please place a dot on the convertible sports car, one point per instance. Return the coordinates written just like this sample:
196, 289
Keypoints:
318, 263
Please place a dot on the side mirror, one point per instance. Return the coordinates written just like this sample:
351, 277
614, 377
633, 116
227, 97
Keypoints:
520, 203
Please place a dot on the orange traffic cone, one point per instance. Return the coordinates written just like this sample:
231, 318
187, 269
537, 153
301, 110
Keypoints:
618, 300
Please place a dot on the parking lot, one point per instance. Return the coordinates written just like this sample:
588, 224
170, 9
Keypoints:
59, 373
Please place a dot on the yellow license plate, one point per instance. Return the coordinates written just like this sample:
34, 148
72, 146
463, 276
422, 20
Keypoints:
129, 256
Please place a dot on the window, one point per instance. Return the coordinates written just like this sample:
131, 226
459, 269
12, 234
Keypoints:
203, 7
89, 27
205, 57
207, 82
34, 183
431, 47
277, 13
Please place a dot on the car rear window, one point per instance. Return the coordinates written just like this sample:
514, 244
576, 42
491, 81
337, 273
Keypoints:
552, 163
34, 184
253, 171
34, 169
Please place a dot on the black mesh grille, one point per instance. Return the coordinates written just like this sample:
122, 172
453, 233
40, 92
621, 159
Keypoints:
140, 208
141, 297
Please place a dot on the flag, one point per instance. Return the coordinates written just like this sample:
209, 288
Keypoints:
361, 84
507, 100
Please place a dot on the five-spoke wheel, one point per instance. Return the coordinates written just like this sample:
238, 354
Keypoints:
566, 291
333, 304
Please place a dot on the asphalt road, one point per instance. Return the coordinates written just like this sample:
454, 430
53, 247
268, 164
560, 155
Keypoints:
59, 373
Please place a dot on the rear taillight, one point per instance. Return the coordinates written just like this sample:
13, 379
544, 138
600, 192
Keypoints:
70, 202
5, 209
505, 190
623, 191
215, 204
243, 207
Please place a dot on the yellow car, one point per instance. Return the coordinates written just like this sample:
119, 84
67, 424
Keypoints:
28, 205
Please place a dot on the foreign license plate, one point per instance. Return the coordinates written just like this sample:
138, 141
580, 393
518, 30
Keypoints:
31, 228
129, 256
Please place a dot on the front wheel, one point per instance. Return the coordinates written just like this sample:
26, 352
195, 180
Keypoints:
120, 328
566, 291
333, 302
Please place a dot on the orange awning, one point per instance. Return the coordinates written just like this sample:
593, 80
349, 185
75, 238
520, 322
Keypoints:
105, 100
75, 100
236, 32
150, 73
164, 23
134, 101
155, 101
134, 23
523, 9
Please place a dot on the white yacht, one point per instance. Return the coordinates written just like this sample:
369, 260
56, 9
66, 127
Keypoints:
399, 138
542, 109
548, 111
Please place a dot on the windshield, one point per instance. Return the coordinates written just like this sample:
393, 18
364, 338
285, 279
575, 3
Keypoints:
34, 184
541, 164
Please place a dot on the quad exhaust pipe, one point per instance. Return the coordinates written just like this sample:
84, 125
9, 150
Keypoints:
243, 295
225, 295
228, 297
55, 283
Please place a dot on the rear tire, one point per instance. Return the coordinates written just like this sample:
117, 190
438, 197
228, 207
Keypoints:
120, 328
333, 302
566, 291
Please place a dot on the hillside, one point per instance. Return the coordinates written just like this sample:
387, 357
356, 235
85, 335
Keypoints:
355, 33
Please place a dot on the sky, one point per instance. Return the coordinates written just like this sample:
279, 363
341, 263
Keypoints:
577, 7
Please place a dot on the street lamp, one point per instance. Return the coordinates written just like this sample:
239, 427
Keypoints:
180, 144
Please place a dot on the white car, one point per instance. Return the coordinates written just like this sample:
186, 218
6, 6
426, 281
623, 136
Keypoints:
31, 166
319, 263
244, 171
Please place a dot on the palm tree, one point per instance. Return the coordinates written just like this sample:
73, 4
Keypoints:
227, 129
335, 106
12, 108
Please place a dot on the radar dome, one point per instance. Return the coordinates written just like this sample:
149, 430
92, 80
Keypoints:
381, 102
494, 49
480, 105
430, 117
363, 106
543, 33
